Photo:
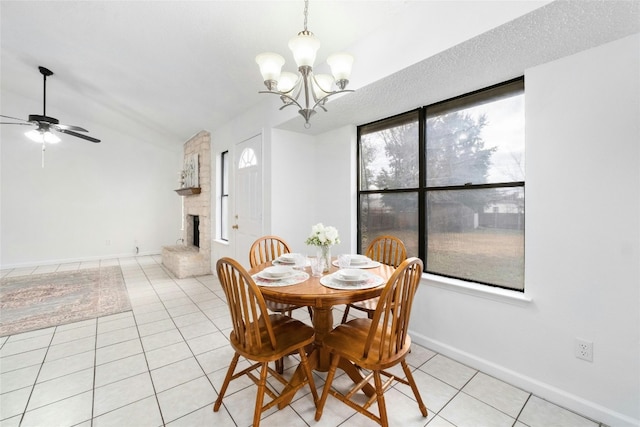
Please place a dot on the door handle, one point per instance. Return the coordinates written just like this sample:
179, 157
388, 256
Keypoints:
235, 226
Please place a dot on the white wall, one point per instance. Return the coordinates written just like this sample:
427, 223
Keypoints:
91, 201
582, 246
335, 171
312, 181
292, 200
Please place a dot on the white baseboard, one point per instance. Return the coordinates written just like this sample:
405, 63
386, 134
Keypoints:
543, 390
80, 259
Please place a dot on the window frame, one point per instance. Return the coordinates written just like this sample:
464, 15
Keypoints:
465, 100
224, 195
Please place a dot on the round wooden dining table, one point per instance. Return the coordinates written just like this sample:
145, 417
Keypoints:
321, 299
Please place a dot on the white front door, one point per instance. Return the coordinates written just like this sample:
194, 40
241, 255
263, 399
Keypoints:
247, 220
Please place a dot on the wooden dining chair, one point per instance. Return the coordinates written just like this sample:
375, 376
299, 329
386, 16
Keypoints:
260, 337
266, 249
377, 344
387, 250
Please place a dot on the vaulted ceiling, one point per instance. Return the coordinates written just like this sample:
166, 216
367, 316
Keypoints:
161, 71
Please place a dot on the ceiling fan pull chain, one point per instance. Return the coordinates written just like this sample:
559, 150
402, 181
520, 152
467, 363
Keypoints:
43, 154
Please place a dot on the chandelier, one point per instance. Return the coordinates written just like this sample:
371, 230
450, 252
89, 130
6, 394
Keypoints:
305, 90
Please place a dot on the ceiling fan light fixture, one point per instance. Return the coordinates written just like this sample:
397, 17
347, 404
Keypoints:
45, 125
40, 136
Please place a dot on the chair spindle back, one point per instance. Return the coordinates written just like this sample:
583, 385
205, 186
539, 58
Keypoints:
267, 248
394, 310
387, 249
247, 306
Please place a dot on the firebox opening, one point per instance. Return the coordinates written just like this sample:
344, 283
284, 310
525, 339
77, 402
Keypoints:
196, 231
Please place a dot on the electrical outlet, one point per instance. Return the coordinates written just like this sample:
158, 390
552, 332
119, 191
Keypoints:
584, 350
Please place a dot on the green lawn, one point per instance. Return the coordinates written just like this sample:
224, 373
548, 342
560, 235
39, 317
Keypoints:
491, 256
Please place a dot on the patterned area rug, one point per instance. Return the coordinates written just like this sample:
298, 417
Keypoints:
39, 301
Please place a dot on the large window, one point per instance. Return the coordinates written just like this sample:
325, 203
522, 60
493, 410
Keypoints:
448, 179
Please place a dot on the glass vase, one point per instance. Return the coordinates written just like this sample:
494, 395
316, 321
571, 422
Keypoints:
324, 252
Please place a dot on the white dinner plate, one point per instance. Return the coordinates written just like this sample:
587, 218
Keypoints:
287, 259
356, 260
349, 275
277, 271
298, 276
307, 263
370, 281
370, 264
267, 276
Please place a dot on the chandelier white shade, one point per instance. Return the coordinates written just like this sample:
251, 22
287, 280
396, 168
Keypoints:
270, 66
305, 90
304, 47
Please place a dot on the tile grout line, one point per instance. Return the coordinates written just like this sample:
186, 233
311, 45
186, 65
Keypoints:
35, 381
95, 368
144, 352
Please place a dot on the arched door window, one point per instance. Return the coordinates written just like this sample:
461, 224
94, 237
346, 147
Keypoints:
247, 158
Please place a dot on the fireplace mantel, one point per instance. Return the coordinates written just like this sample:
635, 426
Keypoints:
188, 191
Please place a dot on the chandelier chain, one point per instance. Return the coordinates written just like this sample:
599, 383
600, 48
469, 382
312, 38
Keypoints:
306, 13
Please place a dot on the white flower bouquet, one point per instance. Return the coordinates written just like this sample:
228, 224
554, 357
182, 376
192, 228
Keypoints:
323, 236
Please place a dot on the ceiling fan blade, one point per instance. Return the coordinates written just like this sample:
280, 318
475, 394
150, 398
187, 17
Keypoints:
69, 127
79, 135
14, 118
21, 124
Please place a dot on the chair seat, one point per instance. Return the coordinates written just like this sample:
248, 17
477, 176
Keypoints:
291, 335
349, 339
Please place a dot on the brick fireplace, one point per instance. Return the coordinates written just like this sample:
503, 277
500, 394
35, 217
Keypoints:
193, 257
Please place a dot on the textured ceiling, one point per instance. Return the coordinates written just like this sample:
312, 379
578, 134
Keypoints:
160, 71
557, 30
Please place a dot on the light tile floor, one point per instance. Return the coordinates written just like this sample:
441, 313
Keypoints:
163, 362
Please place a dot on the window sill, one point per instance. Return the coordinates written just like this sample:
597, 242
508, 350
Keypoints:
477, 290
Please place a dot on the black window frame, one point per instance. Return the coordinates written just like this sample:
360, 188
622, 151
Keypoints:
422, 114
224, 194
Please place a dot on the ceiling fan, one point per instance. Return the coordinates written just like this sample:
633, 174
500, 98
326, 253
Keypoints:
45, 124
